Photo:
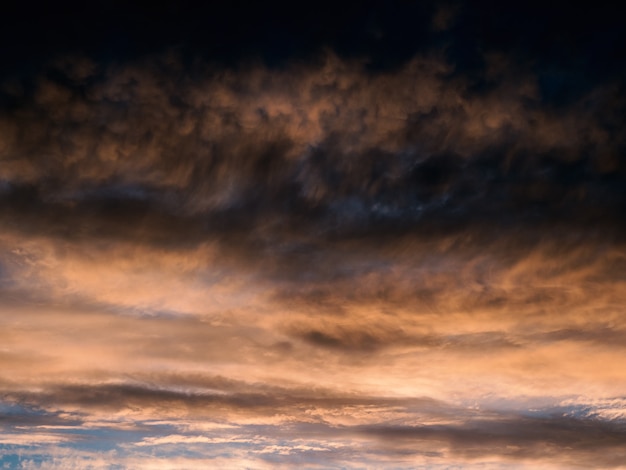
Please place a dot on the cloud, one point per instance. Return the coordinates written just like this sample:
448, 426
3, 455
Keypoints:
205, 262
562, 440
267, 149
416, 433
33, 439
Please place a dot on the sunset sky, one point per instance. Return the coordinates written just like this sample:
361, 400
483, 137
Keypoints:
342, 236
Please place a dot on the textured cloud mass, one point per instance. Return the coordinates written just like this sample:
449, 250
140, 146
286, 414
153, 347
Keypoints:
315, 264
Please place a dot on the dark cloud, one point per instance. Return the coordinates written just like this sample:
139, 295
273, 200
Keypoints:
598, 335
204, 395
327, 153
563, 440
354, 340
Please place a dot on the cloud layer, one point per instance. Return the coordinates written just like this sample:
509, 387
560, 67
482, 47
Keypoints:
313, 265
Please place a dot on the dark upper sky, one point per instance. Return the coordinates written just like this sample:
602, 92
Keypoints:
585, 43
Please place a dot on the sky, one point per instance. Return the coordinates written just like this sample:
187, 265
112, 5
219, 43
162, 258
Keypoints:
335, 235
